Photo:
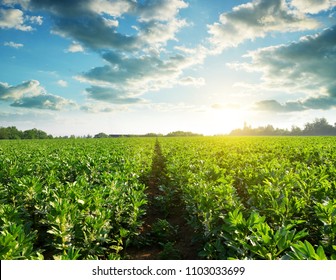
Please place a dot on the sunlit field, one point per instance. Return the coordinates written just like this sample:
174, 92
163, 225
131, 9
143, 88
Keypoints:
137, 198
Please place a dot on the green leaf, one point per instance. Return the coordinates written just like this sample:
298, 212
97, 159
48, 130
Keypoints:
320, 253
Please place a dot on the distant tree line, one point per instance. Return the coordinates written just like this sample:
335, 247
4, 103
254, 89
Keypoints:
178, 133
13, 133
182, 133
319, 126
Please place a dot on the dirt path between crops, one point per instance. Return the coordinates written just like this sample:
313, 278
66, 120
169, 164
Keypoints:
165, 233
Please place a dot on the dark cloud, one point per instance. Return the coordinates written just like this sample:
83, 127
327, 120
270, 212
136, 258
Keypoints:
159, 9
8, 92
324, 102
321, 102
31, 94
80, 21
43, 101
275, 106
122, 69
134, 64
63, 8
96, 109
111, 95
94, 33
256, 19
306, 66
131, 76
89, 22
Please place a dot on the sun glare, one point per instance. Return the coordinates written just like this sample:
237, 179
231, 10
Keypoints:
224, 120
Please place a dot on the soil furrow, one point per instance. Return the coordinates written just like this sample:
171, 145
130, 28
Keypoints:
165, 234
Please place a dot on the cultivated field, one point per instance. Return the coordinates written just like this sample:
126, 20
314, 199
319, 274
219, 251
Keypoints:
171, 198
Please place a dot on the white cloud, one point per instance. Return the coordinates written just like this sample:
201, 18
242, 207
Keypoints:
192, 81
100, 107
160, 10
13, 45
11, 3
75, 47
133, 76
306, 67
43, 101
32, 95
136, 62
256, 19
94, 24
313, 6
112, 95
13, 19
111, 22
158, 33
30, 88
62, 83
36, 20
113, 8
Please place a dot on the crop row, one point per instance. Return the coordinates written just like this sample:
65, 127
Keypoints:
71, 199
245, 198
258, 198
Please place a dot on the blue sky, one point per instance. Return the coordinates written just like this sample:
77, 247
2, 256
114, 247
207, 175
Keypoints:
128, 66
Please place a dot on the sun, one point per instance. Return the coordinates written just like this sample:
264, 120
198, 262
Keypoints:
222, 120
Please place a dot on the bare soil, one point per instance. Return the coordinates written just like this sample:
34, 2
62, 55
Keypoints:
181, 244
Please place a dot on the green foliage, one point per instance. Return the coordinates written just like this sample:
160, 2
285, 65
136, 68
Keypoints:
13, 133
246, 198
319, 126
163, 231
16, 238
182, 134
256, 198
306, 251
71, 199
326, 214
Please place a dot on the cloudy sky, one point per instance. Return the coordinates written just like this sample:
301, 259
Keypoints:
136, 66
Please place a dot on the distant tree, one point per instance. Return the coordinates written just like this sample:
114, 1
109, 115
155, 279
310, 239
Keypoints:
151, 134
269, 130
296, 130
35, 134
101, 135
3, 133
182, 133
319, 127
279, 131
10, 133
13, 133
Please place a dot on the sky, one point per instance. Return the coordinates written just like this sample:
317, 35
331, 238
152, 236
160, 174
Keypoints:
140, 66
